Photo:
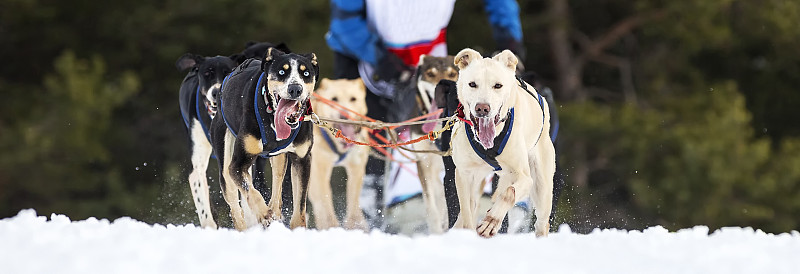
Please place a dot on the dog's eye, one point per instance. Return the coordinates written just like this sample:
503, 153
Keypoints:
281, 72
306, 74
473, 85
452, 75
431, 74
352, 99
498, 86
335, 99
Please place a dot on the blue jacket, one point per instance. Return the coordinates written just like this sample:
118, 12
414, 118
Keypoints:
350, 35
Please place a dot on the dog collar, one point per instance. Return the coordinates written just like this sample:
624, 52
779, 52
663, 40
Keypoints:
490, 155
332, 145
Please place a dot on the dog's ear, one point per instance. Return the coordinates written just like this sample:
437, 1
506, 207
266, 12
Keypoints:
188, 61
466, 56
419, 63
250, 43
313, 58
508, 59
361, 84
283, 47
269, 56
421, 60
271, 53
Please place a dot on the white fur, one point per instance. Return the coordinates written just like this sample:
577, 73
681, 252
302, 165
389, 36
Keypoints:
427, 91
528, 161
210, 92
201, 151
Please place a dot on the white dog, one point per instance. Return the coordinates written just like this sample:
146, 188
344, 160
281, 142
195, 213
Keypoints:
508, 135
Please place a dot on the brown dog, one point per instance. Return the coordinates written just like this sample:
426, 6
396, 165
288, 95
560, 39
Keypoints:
330, 152
431, 70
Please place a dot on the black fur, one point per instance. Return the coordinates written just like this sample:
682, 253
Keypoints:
205, 72
239, 93
258, 50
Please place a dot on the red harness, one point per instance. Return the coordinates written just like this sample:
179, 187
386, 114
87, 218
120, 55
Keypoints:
461, 116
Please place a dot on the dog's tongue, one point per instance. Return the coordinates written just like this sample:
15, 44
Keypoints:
349, 132
430, 126
285, 108
486, 132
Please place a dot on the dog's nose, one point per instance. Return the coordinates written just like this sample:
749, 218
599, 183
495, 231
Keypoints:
482, 109
295, 90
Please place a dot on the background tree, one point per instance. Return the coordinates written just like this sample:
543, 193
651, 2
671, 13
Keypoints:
673, 112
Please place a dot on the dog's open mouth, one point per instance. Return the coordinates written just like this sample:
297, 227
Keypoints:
212, 110
484, 129
430, 126
288, 115
349, 131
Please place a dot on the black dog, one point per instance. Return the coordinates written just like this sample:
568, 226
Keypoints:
262, 111
198, 104
257, 50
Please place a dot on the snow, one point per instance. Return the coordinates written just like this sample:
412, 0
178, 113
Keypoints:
34, 244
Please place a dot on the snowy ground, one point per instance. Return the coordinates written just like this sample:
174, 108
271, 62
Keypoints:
34, 244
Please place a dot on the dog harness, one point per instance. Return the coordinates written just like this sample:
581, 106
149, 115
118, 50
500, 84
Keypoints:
197, 111
260, 119
332, 145
490, 156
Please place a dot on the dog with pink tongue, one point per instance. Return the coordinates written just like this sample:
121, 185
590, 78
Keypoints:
504, 131
263, 105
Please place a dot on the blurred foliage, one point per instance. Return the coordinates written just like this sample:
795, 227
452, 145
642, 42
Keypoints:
704, 131
689, 160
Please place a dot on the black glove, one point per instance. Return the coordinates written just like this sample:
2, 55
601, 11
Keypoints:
390, 68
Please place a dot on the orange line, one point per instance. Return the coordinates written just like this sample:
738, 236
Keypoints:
332, 103
435, 113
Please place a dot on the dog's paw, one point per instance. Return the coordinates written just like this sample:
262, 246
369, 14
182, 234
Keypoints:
296, 222
356, 224
273, 216
488, 227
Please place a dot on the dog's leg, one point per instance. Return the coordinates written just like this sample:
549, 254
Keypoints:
432, 192
356, 168
466, 182
320, 194
519, 182
229, 189
300, 175
544, 168
278, 165
242, 158
201, 151
515, 184
259, 179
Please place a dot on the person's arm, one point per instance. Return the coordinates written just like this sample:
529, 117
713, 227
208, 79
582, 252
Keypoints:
506, 26
349, 33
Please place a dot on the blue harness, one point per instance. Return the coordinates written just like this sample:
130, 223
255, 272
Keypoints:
490, 156
260, 120
197, 111
332, 145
